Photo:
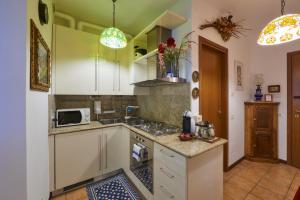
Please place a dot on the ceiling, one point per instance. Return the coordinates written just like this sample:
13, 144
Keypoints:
131, 15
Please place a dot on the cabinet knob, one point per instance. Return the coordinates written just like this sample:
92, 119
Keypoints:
254, 119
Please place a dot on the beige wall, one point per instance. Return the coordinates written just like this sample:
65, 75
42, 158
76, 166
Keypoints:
37, 116
238, 49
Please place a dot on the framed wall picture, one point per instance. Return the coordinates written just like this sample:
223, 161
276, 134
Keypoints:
274, 88
239, 75
39, 61
268, 97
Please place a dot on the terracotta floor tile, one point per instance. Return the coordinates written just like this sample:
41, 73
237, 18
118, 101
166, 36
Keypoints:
265, 194
61, 197
275, 185
77, 195
243, 183
252, 197
226, 197
235, 191
252, 174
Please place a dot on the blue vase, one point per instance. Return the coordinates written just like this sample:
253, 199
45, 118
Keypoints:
258, 94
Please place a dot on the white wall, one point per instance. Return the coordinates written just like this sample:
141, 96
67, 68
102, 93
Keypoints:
37, 116
184, 8
272, 62
12, 101
238, 50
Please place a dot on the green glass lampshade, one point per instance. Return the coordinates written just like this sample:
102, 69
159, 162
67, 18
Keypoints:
113, 38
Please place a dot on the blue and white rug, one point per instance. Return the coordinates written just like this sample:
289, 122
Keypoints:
113, 188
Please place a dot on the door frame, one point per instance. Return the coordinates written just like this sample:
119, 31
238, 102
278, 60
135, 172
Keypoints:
289, 106
205, 42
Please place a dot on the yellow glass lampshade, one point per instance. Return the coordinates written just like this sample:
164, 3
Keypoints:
281, 30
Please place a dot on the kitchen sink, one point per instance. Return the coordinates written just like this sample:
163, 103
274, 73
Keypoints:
111, 121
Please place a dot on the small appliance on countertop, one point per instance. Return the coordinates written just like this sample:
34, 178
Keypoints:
188, 126
72, 117
206, 132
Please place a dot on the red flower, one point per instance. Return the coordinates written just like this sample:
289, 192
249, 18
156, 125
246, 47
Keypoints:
171, 42
161, 48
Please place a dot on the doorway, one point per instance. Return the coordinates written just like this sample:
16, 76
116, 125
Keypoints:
293, 109
213, 104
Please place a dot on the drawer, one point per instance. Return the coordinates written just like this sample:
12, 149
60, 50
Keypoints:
163, 176
161, 192
170, 159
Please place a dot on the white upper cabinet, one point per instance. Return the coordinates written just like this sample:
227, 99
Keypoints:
75, 62
81, 66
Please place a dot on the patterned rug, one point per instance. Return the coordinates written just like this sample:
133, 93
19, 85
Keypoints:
113, 188
144, 174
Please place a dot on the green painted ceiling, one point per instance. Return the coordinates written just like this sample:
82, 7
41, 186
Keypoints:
131, 15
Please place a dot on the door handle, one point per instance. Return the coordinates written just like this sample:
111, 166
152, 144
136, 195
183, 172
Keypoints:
96, 73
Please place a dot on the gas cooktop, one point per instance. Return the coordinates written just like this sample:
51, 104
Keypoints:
153, 127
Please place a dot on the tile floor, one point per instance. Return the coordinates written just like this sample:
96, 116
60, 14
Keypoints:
247, 181
261, 181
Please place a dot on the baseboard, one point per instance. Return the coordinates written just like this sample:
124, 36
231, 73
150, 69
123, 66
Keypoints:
282, 161
235, 164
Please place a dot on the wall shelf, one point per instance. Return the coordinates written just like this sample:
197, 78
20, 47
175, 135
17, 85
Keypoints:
168, 19
143, 59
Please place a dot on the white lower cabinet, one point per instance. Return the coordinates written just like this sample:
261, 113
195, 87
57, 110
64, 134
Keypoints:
180, 178
77, 157
83, 155
112, 149
169, 174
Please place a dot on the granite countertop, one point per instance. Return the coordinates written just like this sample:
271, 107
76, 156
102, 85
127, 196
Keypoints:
188, 149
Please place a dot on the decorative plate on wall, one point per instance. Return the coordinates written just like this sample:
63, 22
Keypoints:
195, 93
195, 76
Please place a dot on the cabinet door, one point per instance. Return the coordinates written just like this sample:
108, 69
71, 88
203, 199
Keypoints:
263, 147
263, 118
107, 71
75, 62
77, 157
263, 131
112, 149
123, 81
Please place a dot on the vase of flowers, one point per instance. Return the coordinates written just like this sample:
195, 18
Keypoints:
169, 55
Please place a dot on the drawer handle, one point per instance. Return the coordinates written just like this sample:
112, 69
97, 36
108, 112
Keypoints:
166, 173
162, 151
171, 196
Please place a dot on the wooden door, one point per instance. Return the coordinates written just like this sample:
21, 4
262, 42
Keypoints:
294, 109
214, 87
263, 131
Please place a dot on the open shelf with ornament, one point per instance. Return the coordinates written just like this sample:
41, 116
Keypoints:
167, 21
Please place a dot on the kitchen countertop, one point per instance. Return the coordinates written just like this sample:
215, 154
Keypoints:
188, 149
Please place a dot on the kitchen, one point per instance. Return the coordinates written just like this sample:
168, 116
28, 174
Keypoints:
112, 112
149, 100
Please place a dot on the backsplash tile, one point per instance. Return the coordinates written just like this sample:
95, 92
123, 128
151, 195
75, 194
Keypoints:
165, 103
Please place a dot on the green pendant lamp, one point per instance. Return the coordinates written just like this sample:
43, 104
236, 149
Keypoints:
113, 37
285, 28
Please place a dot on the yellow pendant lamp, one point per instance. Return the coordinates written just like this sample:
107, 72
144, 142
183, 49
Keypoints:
285, 28
113, 37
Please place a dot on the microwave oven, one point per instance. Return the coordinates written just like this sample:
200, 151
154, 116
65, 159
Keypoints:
72, 117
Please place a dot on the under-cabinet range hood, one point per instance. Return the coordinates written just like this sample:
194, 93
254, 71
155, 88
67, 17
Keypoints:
160, 81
